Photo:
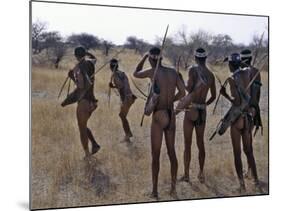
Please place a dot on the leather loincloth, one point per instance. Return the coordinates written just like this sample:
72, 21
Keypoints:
201, 111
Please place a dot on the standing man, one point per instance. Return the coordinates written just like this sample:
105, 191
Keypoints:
241, 128
120, 81
83, 76
200, 81
255, 90
163, 119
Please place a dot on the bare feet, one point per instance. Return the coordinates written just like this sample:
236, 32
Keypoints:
258, 186
249, 174
184, 179
127, 138
201, 177
173, 194
87, 157
154, 195
95, 149
242, 188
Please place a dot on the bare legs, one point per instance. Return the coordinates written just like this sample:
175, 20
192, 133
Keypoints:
83, 114
157, 131
236, 134
188, 127
125, 107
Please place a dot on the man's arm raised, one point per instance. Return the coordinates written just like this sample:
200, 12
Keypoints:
139, 72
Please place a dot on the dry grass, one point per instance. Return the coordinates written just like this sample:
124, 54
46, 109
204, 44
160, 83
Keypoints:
120, 172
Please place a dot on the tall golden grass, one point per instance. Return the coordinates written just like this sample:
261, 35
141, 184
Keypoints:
120, 172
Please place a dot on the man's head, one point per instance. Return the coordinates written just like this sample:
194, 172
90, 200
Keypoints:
200, 56
79, 52
154, 55
246, 57
113, 64
234, 61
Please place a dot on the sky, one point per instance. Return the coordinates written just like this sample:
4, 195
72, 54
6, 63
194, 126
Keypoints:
116, 24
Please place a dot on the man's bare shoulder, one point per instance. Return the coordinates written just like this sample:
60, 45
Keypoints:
121, 74
231, 81
254, 70
211, 74
192, 69
244, 73
169, 69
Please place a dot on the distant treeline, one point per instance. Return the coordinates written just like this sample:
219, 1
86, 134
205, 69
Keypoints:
181, 45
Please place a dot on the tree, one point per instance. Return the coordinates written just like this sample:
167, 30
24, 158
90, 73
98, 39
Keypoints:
59, 51
38, 28
200, 39
52, 41
187, 47
107, 45
139, 45
172, 50
259, 48
221, 46
86, 40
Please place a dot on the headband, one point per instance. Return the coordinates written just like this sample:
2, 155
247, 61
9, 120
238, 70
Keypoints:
200, 55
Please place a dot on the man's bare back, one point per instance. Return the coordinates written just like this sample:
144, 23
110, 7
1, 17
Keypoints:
206, 82
200, 81
165, 83
241, 127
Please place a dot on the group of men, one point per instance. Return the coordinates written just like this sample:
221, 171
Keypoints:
168, 87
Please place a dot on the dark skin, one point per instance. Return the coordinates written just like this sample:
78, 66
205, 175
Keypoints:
255, 97
240, 130
162, 124
121, 83
84, 110
199, 97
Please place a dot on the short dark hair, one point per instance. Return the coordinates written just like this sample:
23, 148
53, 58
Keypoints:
80, 52
113, 60
246, 51
113, 63
154, 51
246, 56
235, 60
200, 50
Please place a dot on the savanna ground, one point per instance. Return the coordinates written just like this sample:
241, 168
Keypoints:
121, 172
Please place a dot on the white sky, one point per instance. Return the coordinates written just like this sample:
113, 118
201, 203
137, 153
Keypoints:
116, 24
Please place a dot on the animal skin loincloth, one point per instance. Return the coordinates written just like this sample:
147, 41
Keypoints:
201, 109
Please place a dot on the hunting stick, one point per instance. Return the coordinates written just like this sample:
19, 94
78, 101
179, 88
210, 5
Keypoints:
220, 122
109, 90
160, 55
156, 69
178, 64
63, 85
142, 118
253, 79
222, 85
108, 95
68, 88
257, 50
